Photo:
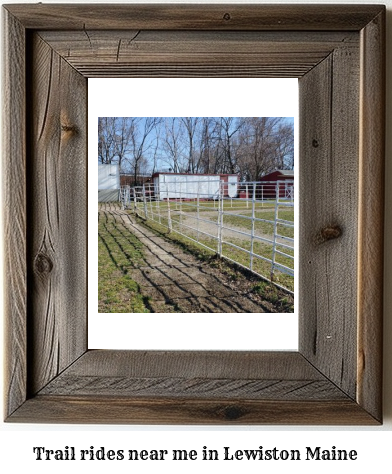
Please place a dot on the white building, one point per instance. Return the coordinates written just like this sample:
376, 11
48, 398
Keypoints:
189, 186
108, 182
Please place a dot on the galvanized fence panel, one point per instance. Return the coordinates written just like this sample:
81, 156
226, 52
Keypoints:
252, 227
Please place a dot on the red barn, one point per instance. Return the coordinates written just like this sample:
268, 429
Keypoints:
129, 179
268, 184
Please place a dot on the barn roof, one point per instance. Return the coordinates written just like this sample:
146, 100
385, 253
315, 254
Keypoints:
279, 173
286, 172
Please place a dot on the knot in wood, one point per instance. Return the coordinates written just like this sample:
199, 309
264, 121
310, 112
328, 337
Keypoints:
315, 143
68, 128
328, 233
232, 413
227, 16
43, 264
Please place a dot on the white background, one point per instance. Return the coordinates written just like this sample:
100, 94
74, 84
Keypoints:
184, 97
372, 444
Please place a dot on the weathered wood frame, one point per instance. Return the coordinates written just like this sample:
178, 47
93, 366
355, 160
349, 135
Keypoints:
337, 52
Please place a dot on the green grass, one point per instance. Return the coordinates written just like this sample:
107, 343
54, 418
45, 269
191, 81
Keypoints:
118, 252
260, 266
270, 292
191, 206
266, 290
187, 245
240, 256
261, 226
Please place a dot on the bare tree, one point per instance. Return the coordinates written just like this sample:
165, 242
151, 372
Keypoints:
191, 126
125, 132
250, 146
141, 129
285, 146
106, 139
206, 141
265, 144
114, 135
156, 147
227, 128
173, 143
258, 146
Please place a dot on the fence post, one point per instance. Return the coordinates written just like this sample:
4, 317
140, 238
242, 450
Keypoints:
157, 202
180, 219
220, 219
169, 221
145, 202
134, 200
276, 244
198, 208
252, 232
150, 202
122, 197
275, 230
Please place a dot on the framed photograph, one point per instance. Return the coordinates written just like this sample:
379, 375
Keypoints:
165, 250
337, 53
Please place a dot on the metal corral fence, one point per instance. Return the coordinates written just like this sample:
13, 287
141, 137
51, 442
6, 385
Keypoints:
250, 224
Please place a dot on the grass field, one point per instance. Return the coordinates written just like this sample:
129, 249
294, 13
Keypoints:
204, 250
260, 266
118, 250
236, 223
192, 205
262, 226
120, 253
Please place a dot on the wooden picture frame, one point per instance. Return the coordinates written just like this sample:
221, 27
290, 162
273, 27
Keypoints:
337, 52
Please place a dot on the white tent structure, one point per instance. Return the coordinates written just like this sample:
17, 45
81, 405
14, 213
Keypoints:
108, 182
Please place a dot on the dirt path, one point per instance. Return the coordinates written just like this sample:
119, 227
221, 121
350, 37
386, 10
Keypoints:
177, 281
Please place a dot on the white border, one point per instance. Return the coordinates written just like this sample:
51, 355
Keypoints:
238, 97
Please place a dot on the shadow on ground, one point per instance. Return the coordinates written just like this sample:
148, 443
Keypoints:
172, 280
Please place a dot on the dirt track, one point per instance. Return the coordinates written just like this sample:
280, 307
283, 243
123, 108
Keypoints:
176, 281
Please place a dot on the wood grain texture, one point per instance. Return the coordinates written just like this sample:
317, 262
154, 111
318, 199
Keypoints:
122, 410
198, 387
208, 364
195, 17
128, 53
329, 98
191, 387
335, 378
371, 216
57, 215
14, 211
205, 374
